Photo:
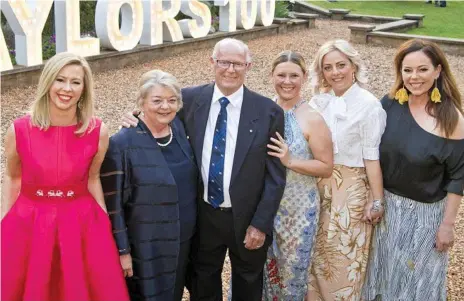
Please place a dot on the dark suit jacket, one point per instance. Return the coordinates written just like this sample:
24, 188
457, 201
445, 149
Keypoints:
142, 201
258, 180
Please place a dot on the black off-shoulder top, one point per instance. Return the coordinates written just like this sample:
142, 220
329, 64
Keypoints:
415, 163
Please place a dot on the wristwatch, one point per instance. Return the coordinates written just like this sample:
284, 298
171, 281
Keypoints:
378, 205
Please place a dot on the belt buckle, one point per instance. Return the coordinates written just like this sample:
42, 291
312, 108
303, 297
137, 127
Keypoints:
54, 193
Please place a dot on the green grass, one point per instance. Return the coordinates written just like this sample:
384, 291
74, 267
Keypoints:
439, 21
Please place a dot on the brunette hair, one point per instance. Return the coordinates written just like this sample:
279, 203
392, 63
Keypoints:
447, 111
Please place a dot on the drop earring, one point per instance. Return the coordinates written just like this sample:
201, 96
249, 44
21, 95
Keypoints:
402, 95
324, 83
435, 97
79, 103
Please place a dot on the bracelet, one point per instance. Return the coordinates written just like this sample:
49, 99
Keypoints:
377, 206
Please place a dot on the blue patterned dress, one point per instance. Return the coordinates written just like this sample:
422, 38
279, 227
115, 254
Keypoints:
295, 225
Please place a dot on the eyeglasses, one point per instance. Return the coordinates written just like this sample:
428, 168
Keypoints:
226, 64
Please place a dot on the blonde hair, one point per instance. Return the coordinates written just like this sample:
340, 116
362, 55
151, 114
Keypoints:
316, 72
40, 108
290, 56
154, 78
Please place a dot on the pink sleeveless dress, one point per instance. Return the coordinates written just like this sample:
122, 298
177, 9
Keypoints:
56, 240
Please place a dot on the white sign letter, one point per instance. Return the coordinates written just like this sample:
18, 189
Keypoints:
27, 19
266, 10
248, 10
5, 61
201, 23
159, 22
107, 23
227, 15
68, 33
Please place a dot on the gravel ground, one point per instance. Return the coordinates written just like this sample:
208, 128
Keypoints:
116, 93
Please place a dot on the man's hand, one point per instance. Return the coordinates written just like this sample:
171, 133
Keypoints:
129, 120
254, 238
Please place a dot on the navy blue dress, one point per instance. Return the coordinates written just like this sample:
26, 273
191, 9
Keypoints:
183, 170
150, 192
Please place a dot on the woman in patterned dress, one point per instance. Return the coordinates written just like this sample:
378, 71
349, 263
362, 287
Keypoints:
357, 122
307, 154
422, 158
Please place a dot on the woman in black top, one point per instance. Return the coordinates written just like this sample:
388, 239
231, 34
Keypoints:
422, 159
149, 177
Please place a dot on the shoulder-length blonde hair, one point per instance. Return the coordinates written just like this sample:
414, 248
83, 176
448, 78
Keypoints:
347, 49
445, 112
40, 109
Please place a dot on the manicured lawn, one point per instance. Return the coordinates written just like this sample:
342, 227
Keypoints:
439, 21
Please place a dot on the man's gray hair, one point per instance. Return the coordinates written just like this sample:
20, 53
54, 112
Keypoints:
232, 43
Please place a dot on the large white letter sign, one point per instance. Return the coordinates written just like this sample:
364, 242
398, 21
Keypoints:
200, 25
248, 10
107, 23
227, 15
5, 61
27, 19
160, 24
266, 10
68, 33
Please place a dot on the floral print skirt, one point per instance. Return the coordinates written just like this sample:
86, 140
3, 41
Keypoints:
343, 239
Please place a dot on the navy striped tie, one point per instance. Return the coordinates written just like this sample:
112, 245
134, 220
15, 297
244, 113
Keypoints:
216, 164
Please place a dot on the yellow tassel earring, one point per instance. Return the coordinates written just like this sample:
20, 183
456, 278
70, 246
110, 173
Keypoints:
402, 95
435, 96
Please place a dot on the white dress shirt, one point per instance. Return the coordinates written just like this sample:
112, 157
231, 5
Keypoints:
233, 118
357, 122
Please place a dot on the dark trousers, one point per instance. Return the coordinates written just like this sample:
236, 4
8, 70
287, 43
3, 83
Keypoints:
215, 234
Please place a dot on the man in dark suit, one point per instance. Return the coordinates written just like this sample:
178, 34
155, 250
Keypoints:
239, 214
229, 128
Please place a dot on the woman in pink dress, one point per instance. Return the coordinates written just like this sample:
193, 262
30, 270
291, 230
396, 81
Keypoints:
56, 235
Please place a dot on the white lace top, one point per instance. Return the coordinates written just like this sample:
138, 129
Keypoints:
357, 122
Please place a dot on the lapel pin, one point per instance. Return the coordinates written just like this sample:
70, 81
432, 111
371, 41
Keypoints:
251, 131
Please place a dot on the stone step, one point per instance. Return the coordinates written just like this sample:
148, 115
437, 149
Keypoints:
397, 25
371, 18
281, 20
304, 16
304, 7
